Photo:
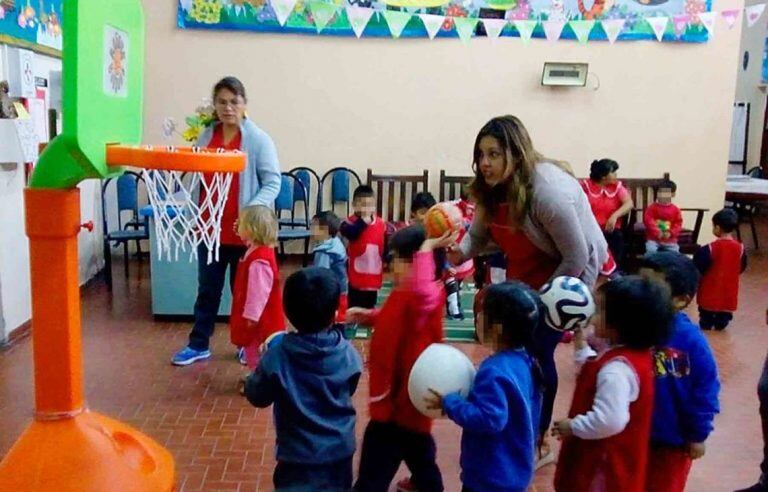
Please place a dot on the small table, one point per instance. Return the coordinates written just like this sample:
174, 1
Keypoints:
745, 193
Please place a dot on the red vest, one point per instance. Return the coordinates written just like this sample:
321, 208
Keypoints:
621, 459
719, 287
365, 263
272, 319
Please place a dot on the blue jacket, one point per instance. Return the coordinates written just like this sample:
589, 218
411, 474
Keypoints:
332, 254
310, 378
500, 418
686, 387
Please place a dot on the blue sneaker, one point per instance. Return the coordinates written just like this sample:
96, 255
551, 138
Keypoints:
241, 356
188, 355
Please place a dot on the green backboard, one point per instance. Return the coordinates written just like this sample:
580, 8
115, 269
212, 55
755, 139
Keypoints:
103, 93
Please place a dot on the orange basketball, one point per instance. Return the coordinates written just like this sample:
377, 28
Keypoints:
442, 218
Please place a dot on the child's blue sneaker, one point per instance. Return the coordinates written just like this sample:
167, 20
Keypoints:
241, 356
188, 355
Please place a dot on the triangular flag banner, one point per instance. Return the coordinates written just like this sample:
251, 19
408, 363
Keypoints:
582, 28
396, 21
612, 28
322, 13
753, 12
659, 25
432, 23
730, 17
680, 22
465, 27
525, 28
553, 29
708, 20
358, 18
493, 27
283, 9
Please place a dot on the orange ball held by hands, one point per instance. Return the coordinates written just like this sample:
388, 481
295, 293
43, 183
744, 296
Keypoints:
441, 218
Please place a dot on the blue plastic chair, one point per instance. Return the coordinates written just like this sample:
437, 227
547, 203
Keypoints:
292, 229
340, 186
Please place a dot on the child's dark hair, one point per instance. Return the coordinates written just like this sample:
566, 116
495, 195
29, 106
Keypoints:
639, 309
407, 241
679, 271
667, 184
363, 191
330, 220
602, 168
517, 308
422, 199
311, 298
726, 219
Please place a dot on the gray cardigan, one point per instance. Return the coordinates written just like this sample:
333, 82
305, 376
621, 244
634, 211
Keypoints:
560, 223
260, 180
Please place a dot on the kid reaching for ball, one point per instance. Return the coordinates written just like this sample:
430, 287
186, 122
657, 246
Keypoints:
500, 417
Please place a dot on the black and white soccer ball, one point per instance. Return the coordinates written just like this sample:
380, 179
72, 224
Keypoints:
568, 303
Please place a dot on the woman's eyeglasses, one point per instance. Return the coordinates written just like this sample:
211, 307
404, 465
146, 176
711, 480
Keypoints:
223, 103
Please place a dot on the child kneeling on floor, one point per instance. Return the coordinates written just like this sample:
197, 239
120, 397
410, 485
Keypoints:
310, 375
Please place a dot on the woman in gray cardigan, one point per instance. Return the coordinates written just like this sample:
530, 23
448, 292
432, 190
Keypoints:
535, 212
257, 184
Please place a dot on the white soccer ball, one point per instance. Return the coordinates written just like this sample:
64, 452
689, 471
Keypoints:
442, 368
568, 303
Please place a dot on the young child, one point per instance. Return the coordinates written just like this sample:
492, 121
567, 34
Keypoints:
606, 437
310, 375
409, 321
365, 232
687, 387
420, 205
500, 417
663, 220
330, 253
257, 310
720, 264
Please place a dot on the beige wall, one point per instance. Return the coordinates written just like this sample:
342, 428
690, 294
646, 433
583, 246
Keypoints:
403, 105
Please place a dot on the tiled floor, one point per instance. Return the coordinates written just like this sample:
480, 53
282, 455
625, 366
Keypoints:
221, 443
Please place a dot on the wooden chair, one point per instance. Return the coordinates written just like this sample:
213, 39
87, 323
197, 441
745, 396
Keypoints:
399, 191
450, 186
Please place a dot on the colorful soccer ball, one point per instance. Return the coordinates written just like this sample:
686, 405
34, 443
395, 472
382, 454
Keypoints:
441, 368
568, 303
441, 218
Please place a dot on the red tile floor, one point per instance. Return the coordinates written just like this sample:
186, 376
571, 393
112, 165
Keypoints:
221, 443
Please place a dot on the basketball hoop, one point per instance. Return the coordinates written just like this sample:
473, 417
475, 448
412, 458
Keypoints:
173, 175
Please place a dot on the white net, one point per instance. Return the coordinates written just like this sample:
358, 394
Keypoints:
187, 209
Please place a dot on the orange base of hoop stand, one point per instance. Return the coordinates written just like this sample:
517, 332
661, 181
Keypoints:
68, 449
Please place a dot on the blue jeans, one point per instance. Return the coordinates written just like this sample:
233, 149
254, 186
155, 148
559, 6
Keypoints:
654, 246
545, 343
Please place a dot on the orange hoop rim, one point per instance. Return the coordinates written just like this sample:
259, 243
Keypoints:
190, 159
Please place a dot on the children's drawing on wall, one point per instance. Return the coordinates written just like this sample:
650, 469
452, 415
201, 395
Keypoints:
32, 21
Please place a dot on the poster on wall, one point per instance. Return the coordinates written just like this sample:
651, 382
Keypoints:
32, 24
668, 20
765, 62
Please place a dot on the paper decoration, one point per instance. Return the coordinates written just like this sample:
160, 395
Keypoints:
493, 27
730, 17
553, 29
465, 27
753, 13
283, 9
322, 13
432, 23
680, 22
612, 28
582, 28
396, 21
525, 28
358, 18
708, 21
659, 25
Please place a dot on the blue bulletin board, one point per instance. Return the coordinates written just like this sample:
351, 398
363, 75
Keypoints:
33, 24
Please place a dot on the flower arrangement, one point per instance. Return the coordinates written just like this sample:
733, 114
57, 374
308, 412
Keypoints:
203, 118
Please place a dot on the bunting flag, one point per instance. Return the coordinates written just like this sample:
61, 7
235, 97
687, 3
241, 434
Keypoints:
553, 29
432, 23
659, 25
582, 28
730, 17
708, 21
358, 18
680, 22
283, 9
322, 13
753, 13
493, 27
525, 28
396, 21
612, 28
465, 27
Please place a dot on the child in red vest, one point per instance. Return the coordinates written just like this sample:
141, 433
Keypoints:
409, 321
257, 304
720, 263
606, 435
365, 232
663, 220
